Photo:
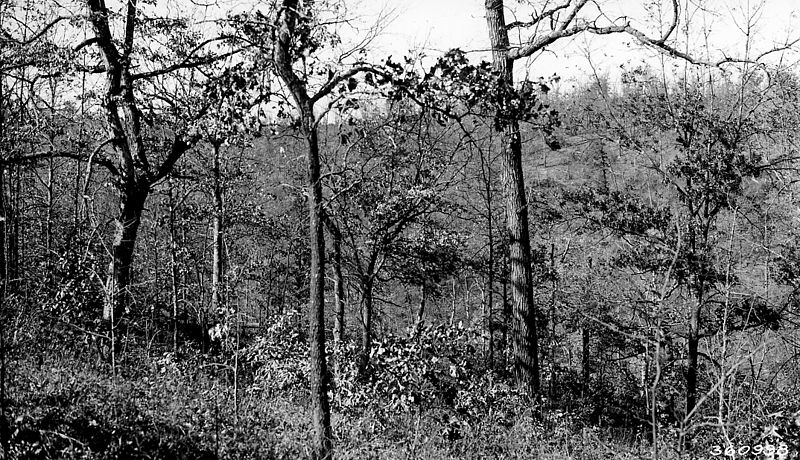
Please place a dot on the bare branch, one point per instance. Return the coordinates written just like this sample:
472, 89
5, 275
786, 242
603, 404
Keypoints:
572, 26
188, 62
338, 78
41, 31
537, 18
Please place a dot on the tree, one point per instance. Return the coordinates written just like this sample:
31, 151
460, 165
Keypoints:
143, 157
288, 36
551, 24
392, 172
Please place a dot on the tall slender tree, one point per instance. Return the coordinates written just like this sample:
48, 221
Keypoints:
551, 24
288, 35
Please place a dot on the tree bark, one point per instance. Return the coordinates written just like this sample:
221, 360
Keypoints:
524, 327
132, 200
319, 371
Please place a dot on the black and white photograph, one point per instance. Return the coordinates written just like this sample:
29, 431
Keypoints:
400, 229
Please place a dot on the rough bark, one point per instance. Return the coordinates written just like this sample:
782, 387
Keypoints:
524, 333
132, 171
132, 200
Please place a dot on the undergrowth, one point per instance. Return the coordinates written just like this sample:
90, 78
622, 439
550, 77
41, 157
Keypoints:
426, 395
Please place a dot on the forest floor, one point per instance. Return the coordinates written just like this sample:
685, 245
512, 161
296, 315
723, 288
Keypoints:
162, 408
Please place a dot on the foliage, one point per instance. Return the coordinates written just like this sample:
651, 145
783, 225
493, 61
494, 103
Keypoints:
78, 290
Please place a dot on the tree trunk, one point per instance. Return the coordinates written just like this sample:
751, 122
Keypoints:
48, 225
506, 307
585, 361
13, 242
3, 229
217, 262
173, 262
132, 198
319, 371
367, 286
487, 181
338, 279
553, 298
422, 303
4, 425
691, 372
524, 329
319, 376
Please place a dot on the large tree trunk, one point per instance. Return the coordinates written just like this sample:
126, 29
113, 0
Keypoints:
524, 328
132, 198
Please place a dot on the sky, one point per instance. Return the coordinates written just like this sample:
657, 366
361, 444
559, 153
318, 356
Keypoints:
438, 25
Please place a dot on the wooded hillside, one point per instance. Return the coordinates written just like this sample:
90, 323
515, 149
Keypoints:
231, 233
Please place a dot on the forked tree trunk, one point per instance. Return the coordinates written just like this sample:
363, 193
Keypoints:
132, 199
524, 327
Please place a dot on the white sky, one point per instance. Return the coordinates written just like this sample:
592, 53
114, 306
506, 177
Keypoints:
438, 25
